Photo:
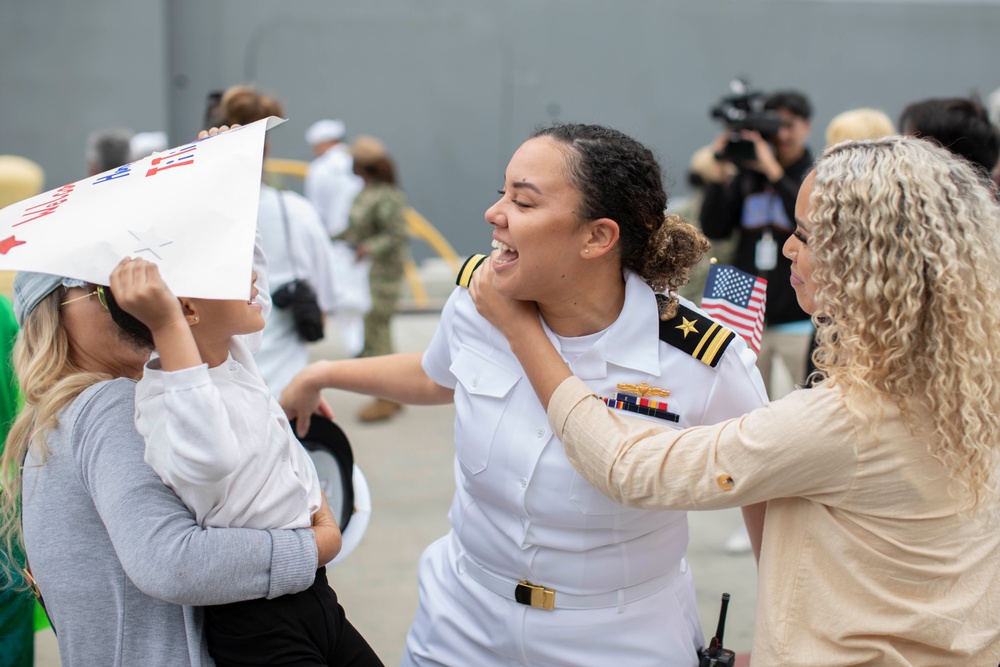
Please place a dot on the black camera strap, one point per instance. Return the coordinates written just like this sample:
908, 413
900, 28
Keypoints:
288, 234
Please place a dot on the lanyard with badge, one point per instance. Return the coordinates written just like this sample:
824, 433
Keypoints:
763, 211
765, 256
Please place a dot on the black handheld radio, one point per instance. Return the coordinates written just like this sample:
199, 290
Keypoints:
714, 655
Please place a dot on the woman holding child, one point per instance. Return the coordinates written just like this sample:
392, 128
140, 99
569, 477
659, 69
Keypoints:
120, 561
120, 558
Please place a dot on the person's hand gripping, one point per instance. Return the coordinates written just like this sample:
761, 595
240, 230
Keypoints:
140, 291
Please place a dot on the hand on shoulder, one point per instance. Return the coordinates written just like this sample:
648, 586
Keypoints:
510, 316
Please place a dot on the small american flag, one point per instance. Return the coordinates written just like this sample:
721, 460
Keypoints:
736, 299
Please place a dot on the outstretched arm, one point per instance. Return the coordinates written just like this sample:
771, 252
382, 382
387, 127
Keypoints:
397, 377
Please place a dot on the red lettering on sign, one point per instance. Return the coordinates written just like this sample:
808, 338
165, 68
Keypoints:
178, 158
8, 243
40, 215
46, 205
59, 197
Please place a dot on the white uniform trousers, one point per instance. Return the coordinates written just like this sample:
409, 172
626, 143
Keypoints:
460, 623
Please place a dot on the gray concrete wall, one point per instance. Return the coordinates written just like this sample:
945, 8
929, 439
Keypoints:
453, 86
67, 68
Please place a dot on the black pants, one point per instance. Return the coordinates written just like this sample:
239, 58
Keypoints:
307, 629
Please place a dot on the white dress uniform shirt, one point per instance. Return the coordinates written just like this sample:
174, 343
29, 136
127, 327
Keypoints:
282, 352
331, 185
521, 512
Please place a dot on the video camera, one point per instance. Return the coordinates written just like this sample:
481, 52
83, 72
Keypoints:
743, 109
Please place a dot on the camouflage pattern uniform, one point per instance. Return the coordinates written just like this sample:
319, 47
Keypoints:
378, 222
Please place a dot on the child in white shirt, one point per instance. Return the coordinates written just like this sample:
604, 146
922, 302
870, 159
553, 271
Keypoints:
220, 441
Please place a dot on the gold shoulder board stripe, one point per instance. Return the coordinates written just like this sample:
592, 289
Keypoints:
693, 333
468, 268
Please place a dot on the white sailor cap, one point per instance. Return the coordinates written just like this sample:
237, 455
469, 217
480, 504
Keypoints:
325, 130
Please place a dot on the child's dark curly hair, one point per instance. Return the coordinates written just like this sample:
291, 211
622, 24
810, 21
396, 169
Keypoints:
131, 328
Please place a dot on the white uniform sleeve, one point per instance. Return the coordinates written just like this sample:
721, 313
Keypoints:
437, 358
738, 387
186, 428
313, 249
313, 184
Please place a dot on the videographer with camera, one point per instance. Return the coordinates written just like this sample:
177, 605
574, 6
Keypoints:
766, 139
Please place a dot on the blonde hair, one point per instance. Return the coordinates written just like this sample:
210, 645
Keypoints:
858, 124
49, 380
904, 245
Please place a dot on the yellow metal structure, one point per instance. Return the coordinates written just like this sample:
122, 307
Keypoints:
418, 226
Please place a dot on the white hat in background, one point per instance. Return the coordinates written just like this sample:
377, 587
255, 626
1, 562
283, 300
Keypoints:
143, 144
993, 107
325, 130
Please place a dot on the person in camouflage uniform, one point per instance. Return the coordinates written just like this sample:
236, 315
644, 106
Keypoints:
377, 231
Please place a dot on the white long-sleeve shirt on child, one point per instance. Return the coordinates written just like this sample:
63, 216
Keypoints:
221, 442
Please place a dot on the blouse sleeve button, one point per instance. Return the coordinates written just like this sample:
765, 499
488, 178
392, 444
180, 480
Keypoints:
725, 482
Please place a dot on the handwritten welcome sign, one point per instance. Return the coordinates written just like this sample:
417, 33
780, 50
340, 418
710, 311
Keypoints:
191, 209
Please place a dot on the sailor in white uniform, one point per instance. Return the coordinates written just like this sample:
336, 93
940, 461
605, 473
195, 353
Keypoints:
623, 592
539, 567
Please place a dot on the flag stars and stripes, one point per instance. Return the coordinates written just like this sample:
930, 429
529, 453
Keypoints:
736, 299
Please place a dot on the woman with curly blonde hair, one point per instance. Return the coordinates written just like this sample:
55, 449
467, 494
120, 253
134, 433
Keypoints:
540, 567
880, 543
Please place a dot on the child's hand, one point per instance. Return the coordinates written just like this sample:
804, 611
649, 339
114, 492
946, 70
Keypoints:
328, 538
141, 292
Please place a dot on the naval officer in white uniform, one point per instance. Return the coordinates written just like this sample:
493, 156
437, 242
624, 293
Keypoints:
539, 567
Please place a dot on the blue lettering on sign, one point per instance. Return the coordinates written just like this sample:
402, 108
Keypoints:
122, 171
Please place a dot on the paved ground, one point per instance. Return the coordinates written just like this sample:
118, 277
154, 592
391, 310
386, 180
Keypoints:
408, 464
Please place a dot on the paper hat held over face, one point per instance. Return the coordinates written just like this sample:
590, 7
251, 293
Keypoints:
191, 209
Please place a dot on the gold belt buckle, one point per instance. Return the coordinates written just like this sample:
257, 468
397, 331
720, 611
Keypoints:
532, 595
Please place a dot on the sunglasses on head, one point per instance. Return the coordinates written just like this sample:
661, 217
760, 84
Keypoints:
98, 290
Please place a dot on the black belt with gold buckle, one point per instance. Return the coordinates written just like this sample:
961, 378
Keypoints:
532, 595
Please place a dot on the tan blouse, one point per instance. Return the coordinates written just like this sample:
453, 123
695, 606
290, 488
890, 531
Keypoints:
866, 560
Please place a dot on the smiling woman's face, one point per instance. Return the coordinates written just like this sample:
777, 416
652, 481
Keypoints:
797, 249
536, 225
